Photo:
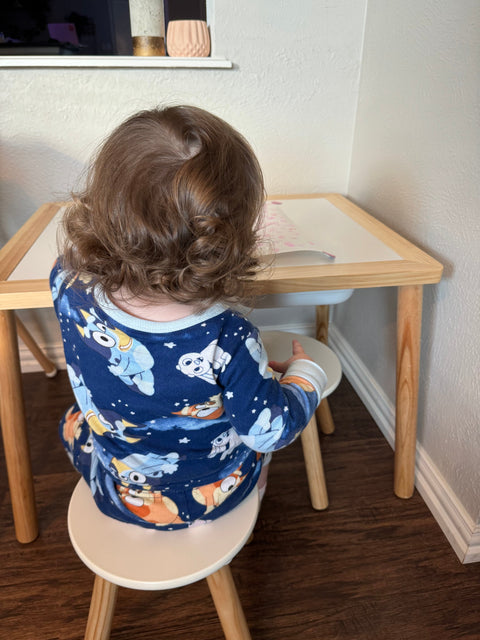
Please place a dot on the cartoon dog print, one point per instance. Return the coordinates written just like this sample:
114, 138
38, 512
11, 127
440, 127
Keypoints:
128, 358
258, 353
208, 410
138, 468
150, 506
202, 364
225, 443
72, 421
266, 431
88, 455
212, 495
57, 283
99, 421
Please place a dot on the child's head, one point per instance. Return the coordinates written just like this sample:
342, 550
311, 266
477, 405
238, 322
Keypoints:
170, 209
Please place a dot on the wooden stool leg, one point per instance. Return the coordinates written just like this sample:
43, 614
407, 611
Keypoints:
228, 605
323, 414
314, 466
324, 417
46, 364
102, 607
322, 318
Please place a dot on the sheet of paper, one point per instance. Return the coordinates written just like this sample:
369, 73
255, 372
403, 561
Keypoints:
280, 234
305, 231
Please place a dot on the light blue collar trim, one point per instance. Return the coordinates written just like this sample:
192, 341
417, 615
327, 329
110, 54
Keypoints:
152, 326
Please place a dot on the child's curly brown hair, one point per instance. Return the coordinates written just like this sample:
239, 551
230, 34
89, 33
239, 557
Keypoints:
170, 208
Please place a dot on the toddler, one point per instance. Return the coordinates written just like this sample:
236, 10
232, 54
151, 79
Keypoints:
176, 406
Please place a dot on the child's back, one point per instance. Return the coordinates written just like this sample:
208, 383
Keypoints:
176, 405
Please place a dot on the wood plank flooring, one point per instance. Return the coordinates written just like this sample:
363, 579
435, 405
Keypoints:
371, 567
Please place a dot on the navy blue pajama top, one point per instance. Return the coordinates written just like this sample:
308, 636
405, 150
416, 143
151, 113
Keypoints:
172, 419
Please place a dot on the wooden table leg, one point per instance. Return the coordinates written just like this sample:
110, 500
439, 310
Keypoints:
14, 432
409, 321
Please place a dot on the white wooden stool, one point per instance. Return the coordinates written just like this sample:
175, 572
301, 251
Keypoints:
128, 555
278, 345
322, 301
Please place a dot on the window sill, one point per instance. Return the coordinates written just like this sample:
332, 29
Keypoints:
109, 62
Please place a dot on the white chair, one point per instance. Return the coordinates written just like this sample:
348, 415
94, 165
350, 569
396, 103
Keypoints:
322, 300
130, 556
278, 345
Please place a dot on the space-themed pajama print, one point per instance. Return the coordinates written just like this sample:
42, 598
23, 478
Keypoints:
172, 420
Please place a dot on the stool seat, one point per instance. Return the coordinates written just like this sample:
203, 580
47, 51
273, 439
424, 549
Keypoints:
322, 300
138, 558
278, 345
126, 555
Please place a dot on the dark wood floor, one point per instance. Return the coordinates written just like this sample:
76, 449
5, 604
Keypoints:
371, 567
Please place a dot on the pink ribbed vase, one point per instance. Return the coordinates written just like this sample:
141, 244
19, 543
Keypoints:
188, 39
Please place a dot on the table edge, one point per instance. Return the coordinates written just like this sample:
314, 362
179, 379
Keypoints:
415, 267
398, 243
18, 245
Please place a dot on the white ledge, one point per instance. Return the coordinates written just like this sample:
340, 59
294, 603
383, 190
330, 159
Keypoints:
115, 61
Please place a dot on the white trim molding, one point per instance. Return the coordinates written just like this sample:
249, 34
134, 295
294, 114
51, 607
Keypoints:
459, 528
111, 62
53, 351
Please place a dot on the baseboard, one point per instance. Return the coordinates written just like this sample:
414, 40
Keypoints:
457, 525
455, 522
52, 351
302, 329
473, 551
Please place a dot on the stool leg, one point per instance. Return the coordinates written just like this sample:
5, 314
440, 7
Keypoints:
228, 605
314, 466
46, 364
324, 417
102, 607
322, 316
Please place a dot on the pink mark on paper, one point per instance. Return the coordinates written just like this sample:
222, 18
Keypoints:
282, 235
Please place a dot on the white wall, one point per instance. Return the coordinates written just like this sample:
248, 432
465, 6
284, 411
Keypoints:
292, 93
416, 166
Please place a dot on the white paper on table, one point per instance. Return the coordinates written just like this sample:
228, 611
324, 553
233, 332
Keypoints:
314, 231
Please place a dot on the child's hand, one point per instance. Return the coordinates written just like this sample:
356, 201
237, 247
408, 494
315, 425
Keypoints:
298, 354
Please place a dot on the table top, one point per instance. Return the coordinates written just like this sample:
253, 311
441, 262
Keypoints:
367, 253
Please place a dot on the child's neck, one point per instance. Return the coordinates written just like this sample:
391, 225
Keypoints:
161, 310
